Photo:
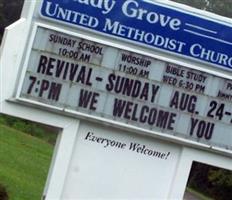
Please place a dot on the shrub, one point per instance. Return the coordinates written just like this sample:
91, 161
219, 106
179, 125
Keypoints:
3, 193
43, 132
221, 180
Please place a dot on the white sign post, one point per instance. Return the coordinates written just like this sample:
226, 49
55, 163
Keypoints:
139, 95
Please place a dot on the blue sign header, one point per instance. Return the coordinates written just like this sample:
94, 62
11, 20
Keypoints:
150, 24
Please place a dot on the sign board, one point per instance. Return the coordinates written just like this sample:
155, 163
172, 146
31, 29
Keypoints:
81, 76
151, 24
121, 164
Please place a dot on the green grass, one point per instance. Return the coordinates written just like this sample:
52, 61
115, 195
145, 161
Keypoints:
24, 164
43, 132
199, 195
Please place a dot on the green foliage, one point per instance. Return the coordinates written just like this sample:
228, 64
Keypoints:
221, 177
3, 193
222, 183
14, 6
24, 164
9, 12
198, 178
45, 133
200, 4
221, 7
211, 181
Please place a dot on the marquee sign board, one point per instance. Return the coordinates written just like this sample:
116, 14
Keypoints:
81, 76
151, 24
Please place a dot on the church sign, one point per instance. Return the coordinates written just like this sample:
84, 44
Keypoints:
150, 24
77, 75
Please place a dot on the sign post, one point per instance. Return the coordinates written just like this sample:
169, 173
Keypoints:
154, 80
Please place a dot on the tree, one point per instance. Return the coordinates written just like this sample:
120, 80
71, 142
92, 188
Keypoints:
9, 12
3, 193
201, 4
221, 7
221, 181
